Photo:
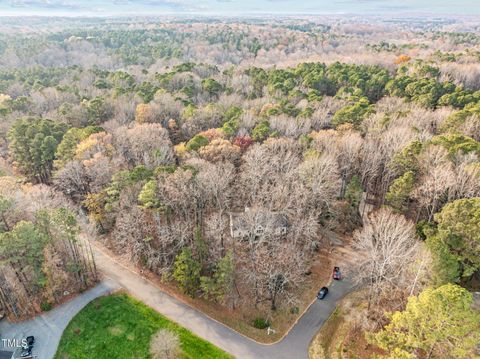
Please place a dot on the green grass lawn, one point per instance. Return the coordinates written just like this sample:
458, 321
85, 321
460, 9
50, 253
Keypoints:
118, 326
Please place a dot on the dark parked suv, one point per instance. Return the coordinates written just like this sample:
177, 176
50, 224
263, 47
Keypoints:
27, 347
322, 293
30, 340
26, 353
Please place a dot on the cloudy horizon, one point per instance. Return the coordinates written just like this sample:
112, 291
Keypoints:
233, 7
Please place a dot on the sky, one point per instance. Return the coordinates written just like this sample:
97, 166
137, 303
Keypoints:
234, 7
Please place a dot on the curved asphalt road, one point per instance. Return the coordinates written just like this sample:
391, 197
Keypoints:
49, 327
293, 346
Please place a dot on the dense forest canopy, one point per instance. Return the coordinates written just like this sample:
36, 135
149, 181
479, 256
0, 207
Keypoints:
42, 257
220, 155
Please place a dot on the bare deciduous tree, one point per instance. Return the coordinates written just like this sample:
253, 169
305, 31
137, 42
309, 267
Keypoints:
389, 243
165, 345
145, 144
72, 180
272, 266
437, 179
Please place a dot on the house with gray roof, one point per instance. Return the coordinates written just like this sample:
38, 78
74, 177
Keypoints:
257, 222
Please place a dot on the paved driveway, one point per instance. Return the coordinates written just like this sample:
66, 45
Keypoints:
48, 327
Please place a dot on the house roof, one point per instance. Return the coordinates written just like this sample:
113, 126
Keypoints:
247, 220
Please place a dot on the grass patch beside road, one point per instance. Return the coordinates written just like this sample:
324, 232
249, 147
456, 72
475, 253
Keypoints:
325, 344
118, 326
341, 336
